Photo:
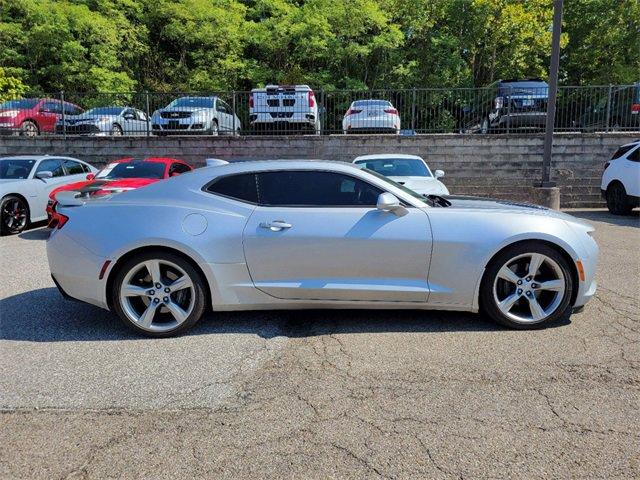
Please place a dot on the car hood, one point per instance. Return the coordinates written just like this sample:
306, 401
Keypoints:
104, 186
184, 109
423, 185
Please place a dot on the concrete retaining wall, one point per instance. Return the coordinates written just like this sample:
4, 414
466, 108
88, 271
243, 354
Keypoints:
488, 165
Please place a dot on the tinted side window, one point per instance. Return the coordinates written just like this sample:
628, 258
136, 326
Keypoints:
51, 107
178, 168
635, 155
73, 168
621, 151
315, 189
53, 166
241, 187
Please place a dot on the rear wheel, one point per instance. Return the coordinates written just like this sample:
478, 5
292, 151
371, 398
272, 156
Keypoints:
14, 215
214, 127
158, 294
528, 285
29, 128
617, 201
116, 129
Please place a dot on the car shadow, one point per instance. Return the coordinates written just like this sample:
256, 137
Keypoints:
58, 320
631, 220
36, 233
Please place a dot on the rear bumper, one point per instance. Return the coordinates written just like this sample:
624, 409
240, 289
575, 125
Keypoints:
523, 120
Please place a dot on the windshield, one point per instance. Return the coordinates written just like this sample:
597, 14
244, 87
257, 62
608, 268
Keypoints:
406, 190
104, 111
524, 88
192, 102
397, 167
20, 104
15, 169
133, 169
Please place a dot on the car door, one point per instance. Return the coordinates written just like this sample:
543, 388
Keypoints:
142, 123
318, 235
43, 187
48, 114
225, 118
631, 172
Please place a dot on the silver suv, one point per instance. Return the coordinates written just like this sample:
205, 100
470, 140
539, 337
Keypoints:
284, 109
196, 115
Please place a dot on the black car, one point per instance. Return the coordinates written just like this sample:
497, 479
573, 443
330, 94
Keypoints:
507, 105
617, 108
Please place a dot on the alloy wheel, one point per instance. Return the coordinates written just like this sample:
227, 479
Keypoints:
529, 288
157, 295
14, 215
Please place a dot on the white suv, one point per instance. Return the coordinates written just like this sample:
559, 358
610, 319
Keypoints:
284, 109
621, 179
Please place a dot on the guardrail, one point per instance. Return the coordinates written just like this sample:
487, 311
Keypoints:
287, 110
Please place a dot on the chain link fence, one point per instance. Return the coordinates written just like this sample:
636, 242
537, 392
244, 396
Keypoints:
504, 107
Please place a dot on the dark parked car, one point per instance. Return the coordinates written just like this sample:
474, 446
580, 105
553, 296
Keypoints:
623, 111
33, 116
507, 104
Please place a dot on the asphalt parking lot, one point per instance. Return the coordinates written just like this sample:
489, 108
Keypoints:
320, 394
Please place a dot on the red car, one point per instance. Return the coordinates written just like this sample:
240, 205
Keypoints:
33, 116
120, 175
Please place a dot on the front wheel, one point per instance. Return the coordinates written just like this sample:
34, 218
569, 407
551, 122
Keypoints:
526, 286
29, 128
617, 201
485, 127
116, 130
14, 215
214, 127
158, 294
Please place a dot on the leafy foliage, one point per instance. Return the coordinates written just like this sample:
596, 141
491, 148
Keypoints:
212, 45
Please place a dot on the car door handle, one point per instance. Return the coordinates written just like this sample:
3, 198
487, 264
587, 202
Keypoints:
276, 225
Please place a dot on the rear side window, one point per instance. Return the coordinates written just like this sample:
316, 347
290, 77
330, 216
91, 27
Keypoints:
73, 168
622, 150
239, 187
52, 165
315, 189
635, 155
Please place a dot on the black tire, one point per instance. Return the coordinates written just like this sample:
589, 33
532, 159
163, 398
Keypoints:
617, 201
214, 130
116, 130
488, 302
10, 224
29, 128
200, 295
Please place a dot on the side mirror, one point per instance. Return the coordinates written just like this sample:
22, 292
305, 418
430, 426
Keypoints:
91, 176
44, 174
439, 173
388, 202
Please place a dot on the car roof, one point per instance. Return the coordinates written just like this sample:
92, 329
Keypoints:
387, 156
164, 160
634, 142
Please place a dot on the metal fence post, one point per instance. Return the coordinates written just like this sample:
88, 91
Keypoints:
608, 121
64, 123
146, 94
509, 109
413, 110
233, 108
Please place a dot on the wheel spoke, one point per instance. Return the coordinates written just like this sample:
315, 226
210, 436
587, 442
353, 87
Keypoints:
535, 263
146, 318
506, 304
536, 310
178, 313
507, 274
181, 283
153, 267
134, 291
554, 285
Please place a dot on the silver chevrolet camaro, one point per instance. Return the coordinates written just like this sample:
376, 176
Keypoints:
314, 234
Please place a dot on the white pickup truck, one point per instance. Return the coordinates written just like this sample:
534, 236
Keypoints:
284, 109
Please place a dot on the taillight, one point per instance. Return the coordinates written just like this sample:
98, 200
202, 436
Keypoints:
391, 111
62, 220
606, 165
352, 111
312, 99
635, 108
251, 100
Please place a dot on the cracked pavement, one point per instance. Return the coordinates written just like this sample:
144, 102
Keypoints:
321, 394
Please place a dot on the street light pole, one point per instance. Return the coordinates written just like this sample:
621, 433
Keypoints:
553, 93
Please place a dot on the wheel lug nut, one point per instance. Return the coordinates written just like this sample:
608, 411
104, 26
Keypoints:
533, 285
152, 292
167, 290
519, 282
519, 291
156, 300
158, 286
528, 294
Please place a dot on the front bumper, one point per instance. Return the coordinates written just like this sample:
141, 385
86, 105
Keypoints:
180, 125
